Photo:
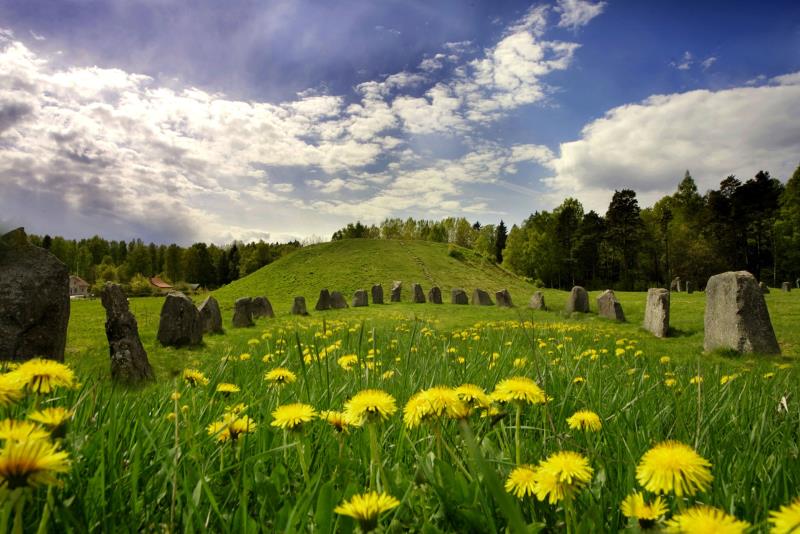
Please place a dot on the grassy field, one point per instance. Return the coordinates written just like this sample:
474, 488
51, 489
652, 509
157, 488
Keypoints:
144, 460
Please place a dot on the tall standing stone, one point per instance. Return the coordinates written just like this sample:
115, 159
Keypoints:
338, 301
397, 286
324, 301
656, 312
419, 296
537, 301
797, 283
210, 316
458, 296
261, 307
578, 301
360, 298
180, 323
786, 287
299, 306
676, 284
481, 298
377, 294
503, 299
129, 363
243, 313
435, 295
689, 287
34, 300
764, 288
736, 315
608, 306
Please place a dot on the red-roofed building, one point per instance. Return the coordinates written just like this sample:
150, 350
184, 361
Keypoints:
78, 287
160, 284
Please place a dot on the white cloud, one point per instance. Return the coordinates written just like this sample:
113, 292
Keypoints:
792, 78
36, 36
707, 62
577, 13
648, 146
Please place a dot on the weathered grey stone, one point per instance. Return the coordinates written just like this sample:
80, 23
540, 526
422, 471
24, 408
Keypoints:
797, 283
360, 298
689, 287
503, 299
736, 315
261, 307
676, 284
419, 296
537, 301
377, 294
299, 306
786, 287
210, 316
324, 301
242, 312
129, 363
458, 296
656, 312
435, 295
764, 288
608, 306
180, 323
34, 300
481, 298
578, 301
338, 301
397, 287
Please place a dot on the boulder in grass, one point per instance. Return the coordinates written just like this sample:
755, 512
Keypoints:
360, 298
210, 316
34, 300
578, 301
299, 306
377, 294
338, 301
397, 287
458, 296
261, 307
608, 306
537, 301
435, 295
324, 301
481, 298
503, 299
419, 296
656, 312
242, 312
179, 324
764, 288
129, 363
786, 287
736, 315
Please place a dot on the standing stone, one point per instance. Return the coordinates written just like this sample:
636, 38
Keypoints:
419, 295
786, 287
764, 288
676, 284
578, 301
503, 299
397, 286
180, 323
689, 287
797, 283
299, 306
210, 316
481, 298
656, 312
435, 295
324, 301
242, 312
360, 298
34, 300
537, 301
736, 315
609, 306
261, 307
458, 296
377, 294
129, 363
337, 301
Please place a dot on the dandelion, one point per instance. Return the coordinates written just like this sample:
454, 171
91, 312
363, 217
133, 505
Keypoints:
366, 508
176, 395
236, 409
664, 360
585, 420
578, 380
13, 430
519, 389
561, 474
338, 420
193, 377
672, 466
702, 519
53, 419
244, 357
433, 402
226, 388
44, 376
647, 514
347, 361
521, 481
387, 375
370, 405
474, 396
293, 416
697, 379
231, 427
10, 389
280, 376
670, 382
786, 519
767, 376
727, 378
31, 463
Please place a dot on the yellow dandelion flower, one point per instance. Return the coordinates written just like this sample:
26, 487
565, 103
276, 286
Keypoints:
664, 360
578, 380
672, 466
347, 361
31, 463
768, 375
670, 382
53, 419
635, 507
193, 377
171, 416
226, 388
585, 420
520, 363
176, 395
231, 427
521, 481
387, 375
370, 405
10, 389
280, 376
236, 409
474, 396
13, 430
244, 357
519, 389
697, 379
434, 402
338, 420
217, 429
727, 378
560, 474
293, 416
44, 376
786, 519
706, 520
367, 507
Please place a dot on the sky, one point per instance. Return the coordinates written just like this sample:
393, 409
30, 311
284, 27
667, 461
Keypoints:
175, 121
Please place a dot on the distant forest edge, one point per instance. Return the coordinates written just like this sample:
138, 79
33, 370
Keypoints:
752, 225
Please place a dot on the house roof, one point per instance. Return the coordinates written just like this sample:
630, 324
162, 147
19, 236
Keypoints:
158, 282
78, 280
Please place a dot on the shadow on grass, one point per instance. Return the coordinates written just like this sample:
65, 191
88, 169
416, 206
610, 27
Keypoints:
677, 332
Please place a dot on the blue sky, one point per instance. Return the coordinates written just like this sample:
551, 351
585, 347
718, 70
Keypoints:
288, 119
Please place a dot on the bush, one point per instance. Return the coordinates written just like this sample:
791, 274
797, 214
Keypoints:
140, 286
455, 252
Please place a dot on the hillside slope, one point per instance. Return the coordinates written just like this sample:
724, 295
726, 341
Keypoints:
354, 264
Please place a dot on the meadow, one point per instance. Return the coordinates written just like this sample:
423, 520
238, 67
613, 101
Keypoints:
186, 455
